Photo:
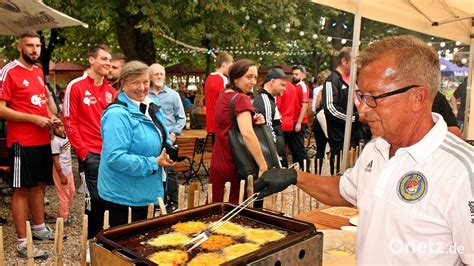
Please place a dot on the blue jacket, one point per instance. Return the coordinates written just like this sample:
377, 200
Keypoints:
129, 173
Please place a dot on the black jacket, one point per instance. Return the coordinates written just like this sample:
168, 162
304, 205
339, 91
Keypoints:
264, 104
335, 96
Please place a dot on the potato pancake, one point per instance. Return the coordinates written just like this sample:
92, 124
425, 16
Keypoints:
230, 229
207, 259
171, 239
189, 227
262, 236
238, 250
217, 242
169, 257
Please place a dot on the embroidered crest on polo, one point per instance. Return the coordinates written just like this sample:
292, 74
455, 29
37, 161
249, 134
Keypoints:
412, 187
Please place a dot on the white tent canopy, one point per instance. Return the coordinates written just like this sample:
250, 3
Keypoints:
19, 16
450, 19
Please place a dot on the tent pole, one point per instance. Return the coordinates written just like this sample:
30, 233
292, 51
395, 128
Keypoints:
469, 112
350, 99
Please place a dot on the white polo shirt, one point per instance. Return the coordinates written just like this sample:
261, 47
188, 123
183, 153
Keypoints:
416, 208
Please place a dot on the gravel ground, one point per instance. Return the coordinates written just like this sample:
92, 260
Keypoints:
72, 246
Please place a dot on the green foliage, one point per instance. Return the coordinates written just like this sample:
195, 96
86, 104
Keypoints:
267, 31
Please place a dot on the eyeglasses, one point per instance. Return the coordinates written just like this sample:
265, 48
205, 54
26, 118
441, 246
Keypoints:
371, 100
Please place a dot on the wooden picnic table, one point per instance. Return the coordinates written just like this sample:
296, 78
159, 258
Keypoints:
193, 133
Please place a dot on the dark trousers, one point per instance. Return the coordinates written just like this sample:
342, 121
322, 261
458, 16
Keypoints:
90, 165
321, 140
295, 142
172, 186
118, 214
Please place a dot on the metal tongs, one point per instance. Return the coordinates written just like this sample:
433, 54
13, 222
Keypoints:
203, 236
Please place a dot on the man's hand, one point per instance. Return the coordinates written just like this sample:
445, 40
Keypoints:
42, 121
298, 127
273, 181
258, 119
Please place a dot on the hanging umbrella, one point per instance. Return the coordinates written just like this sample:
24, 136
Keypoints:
450, 19
19, 16
450, 69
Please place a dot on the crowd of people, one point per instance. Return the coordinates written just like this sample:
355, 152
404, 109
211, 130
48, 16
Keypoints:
122, 120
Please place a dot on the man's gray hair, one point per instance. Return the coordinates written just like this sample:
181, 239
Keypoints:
417, 63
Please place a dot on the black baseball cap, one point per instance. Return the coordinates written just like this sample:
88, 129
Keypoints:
275, 73
299, 67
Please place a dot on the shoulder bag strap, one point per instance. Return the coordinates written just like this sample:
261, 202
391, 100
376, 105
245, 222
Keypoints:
232, 113
153, 110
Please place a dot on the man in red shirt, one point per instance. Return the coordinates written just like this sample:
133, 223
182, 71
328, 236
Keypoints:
214, 85
118, 61
286, 106
23, 103
85, 99
296, 141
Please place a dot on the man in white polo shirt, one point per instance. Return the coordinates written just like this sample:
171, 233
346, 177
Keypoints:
413, 185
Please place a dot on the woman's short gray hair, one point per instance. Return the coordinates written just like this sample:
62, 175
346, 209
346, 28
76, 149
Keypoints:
132, 70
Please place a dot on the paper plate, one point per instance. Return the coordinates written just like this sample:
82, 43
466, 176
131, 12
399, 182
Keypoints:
349, 228
354, 220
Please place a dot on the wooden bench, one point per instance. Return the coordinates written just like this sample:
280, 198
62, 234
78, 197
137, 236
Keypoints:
185, 163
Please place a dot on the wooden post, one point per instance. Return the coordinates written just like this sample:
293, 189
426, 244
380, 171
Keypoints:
2, 251
305, 168
300, 200
129, 220
58, 242
283, 208
151, 211
191, 188
274, 202
161, 204
106, 220
226, 192
181, 197
84, 240
241, 191
250, 188
295, 201
196, 198
209, 193
267, 202
29, 245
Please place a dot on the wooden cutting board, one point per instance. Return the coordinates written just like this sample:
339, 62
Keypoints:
323, 220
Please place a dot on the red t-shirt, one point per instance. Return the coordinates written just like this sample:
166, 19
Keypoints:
83, 106
214, 85
302, 96
24, 91
222, 161
286, 106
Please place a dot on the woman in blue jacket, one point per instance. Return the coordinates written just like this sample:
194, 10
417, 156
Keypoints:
133, 159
